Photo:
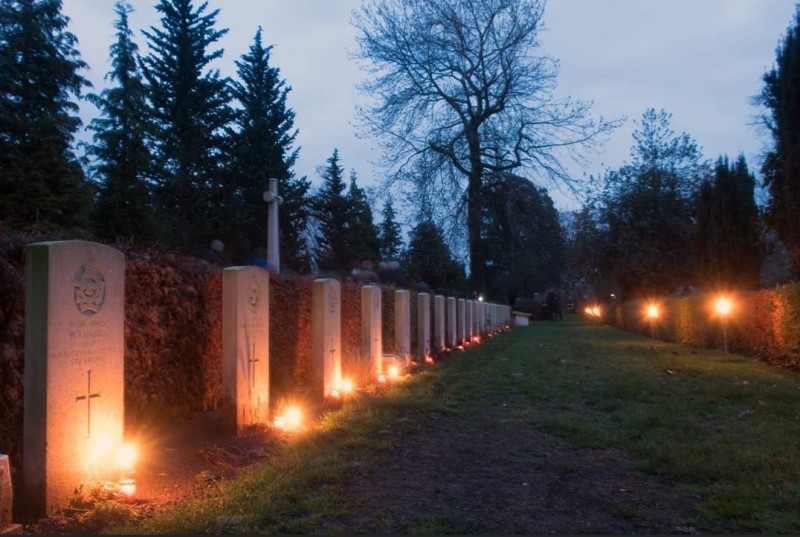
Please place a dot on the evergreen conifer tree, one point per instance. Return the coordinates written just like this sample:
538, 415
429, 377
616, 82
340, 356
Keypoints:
781, 97
41, 181
728, 248
189, 106
123, 206
389, 233
431, 261
262, 150
331, 211
362, 237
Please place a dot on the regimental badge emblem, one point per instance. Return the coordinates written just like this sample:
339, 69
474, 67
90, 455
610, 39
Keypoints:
333, 298
254, 296
89, 288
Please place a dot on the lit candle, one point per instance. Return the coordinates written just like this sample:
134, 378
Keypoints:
128, 488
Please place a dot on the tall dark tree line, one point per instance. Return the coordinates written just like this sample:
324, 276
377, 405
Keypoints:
525, 242
389, 233
780, 96
123, 206
345, 232
644, 211
189, 105
262, 149
728, 248
42, 183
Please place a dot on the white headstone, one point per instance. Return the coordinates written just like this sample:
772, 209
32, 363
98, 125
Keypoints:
402, 323
371, 330
460, 321
468, 328
74, 369
438, 321
326, 345
245, 346
423, 325
451, 322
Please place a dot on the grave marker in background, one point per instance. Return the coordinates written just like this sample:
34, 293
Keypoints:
326, 345
402, 323
371, 332
74, 370
469, 329
245, 346
438, 321
451, 322
461, 320
424, 325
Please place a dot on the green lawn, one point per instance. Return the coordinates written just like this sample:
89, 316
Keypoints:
726, 427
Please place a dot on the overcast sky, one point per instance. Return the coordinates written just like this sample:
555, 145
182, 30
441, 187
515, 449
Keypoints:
700, 60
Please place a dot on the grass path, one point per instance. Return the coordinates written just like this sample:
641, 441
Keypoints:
580, 404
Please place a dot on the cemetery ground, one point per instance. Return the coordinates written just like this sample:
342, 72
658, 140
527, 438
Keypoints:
559, 427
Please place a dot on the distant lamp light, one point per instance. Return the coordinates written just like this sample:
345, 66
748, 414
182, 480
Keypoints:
393, 371
652, 314
724, 307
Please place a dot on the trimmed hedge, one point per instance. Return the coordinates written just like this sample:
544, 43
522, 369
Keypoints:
764, 324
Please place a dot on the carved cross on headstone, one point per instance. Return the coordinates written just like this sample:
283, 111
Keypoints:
251, 362
88, 396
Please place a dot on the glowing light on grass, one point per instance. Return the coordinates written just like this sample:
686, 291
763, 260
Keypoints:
290, 420
429, 359
347, 386
393, 371
127, 487
126, 456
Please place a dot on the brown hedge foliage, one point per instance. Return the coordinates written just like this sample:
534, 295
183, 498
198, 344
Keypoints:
290, 333
173, 335
12, 341
387, 319
765, 324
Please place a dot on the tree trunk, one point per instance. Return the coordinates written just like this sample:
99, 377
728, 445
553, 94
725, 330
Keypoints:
477, 256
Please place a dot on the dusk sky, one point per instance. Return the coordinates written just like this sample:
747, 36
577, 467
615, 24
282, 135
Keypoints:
700, 60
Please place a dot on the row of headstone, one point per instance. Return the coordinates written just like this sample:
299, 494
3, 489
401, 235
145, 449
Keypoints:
74, 356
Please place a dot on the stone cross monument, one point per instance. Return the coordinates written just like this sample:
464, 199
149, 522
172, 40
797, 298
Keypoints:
273, 200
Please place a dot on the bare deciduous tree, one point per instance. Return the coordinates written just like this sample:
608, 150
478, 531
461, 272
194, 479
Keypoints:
459, 86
